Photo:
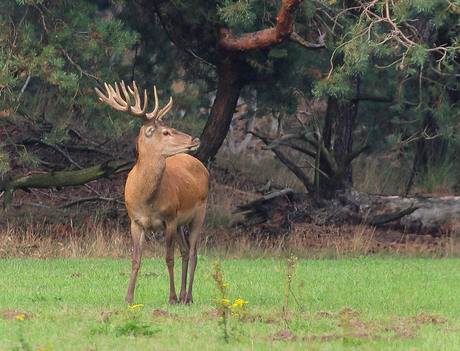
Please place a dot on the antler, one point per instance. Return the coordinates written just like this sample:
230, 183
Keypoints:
119, 103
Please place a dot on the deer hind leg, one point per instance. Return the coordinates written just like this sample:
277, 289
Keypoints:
171, 230
184, 244
195, 231
137, 235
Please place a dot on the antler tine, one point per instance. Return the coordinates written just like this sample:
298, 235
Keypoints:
137, 99
154, 113
135, 94
159, 115
127, 100
165, 109
101, 95
113, 98
117, 96
119, 103
137, 107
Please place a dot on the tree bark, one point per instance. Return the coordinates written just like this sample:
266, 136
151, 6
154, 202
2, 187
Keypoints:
266, 37
228, 91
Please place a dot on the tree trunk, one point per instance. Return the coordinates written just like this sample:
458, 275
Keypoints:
231, 78
228, 91
343, 142
431, 150
338, 139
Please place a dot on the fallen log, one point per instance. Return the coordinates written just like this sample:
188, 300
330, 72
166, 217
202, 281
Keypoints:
390, 217
62, 178
414, 214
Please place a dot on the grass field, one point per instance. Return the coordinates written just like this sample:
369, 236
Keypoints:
364, 303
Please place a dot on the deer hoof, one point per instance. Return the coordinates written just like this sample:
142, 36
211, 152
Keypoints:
188, 300
172, 300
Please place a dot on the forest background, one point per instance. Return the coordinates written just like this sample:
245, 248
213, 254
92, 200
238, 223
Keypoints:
321, 97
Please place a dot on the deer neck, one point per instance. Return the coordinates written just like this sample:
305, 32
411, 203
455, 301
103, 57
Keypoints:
148, 171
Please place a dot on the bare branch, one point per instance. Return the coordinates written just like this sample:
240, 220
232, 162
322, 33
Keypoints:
78, 67
299, 173
91, 199
301, 41
368, 97
69, 204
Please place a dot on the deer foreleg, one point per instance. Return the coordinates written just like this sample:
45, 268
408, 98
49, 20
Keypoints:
137, 234
170, 233
195, 231
184, 244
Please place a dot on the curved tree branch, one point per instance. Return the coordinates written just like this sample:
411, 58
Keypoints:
299, 173
266, 37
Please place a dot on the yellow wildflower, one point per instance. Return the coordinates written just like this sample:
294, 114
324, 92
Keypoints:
239, 303
226, 285
20, 317
135, 306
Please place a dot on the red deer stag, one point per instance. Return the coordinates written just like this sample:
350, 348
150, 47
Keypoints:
166, 189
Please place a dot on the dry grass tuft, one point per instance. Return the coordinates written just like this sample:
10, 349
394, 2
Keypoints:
38, 240
98, 238
381, 174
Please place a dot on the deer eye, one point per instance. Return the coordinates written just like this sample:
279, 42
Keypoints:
165, 133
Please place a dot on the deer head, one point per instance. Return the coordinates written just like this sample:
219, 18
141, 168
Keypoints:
154, 136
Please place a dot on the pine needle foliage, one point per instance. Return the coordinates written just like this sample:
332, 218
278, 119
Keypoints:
53, 54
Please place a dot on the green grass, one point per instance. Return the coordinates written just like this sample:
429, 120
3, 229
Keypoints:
366, 303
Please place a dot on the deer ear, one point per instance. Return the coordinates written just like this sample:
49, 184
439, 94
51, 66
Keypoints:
149, 131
